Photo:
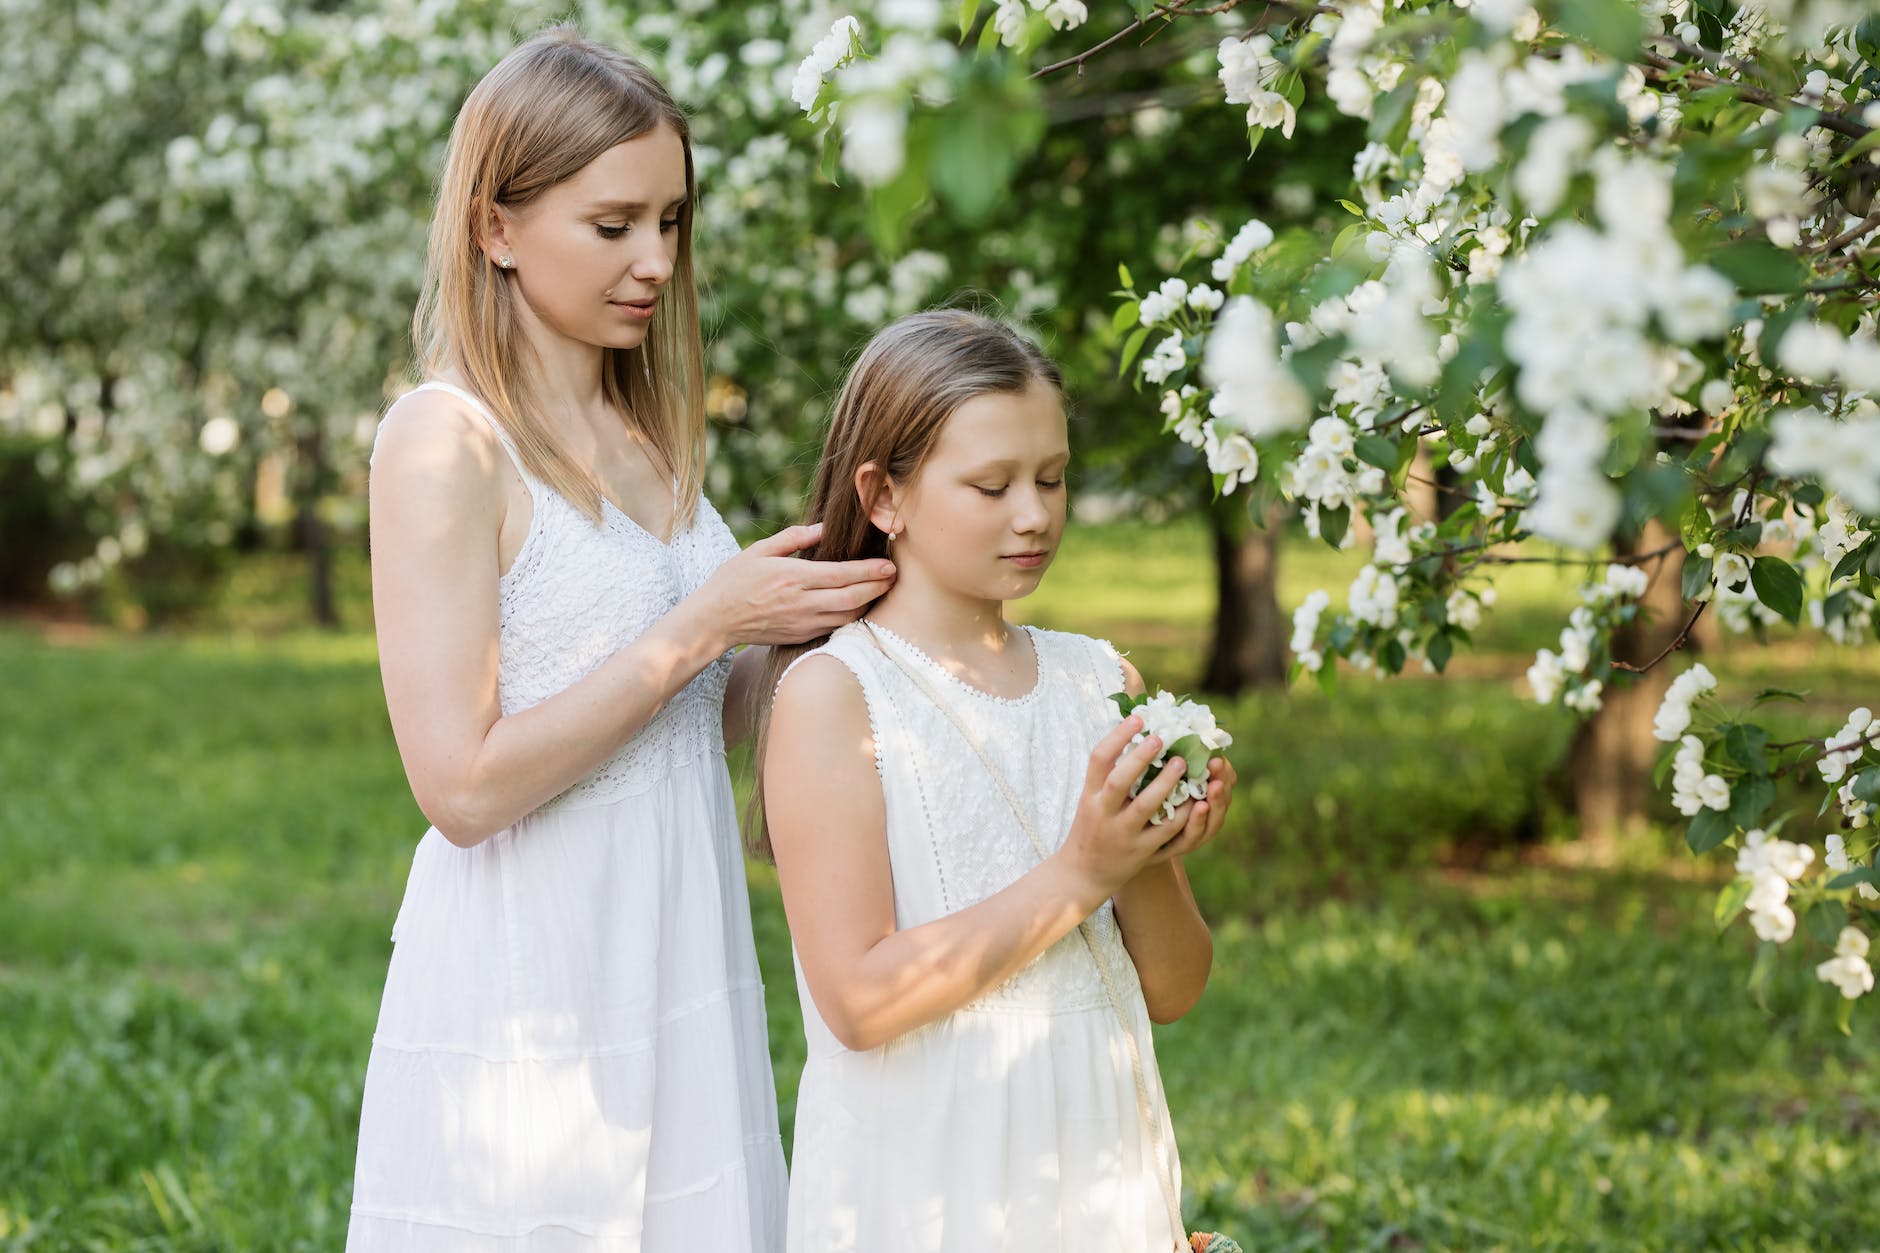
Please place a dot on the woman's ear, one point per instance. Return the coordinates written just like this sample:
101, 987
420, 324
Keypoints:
880, 496
495, 241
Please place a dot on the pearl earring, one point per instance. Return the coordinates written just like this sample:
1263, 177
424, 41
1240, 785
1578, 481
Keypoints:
507, 262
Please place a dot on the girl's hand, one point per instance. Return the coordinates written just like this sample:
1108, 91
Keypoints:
1112, 836
767, 595
1203, 818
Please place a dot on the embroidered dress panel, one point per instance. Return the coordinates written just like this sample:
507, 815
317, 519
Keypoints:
571, 1050
1012, 1123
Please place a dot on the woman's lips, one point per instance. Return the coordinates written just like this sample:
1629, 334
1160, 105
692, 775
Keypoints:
640, 310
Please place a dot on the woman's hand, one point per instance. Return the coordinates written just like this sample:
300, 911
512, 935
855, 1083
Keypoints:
1113, 835
768, 595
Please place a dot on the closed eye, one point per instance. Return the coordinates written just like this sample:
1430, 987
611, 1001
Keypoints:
611, 232
994, 492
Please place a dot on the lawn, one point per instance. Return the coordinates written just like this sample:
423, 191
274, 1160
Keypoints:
203, 839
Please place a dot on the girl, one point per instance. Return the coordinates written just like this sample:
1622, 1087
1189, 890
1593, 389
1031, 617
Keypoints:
571, 1051
947, 799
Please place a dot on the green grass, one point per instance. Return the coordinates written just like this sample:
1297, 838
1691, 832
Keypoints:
203, 841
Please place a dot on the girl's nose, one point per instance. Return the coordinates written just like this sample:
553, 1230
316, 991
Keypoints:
1033, 514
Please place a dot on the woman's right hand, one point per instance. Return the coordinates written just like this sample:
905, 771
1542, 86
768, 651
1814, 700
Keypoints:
1114, 834
768, 595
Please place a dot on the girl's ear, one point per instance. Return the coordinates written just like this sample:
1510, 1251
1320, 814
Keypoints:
880, 496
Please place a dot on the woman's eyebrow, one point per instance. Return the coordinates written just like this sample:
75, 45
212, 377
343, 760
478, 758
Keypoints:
631, 206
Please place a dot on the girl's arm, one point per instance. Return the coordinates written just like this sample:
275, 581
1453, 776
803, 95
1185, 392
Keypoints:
1162, 928
823, 801
437, 488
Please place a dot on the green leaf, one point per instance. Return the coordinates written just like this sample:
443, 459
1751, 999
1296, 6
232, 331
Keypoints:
1849, 563
1777, 693
1441, 647
1744, 743
1759, 973
1730, 902
969, 9
1356, 210
1377, 451
1844, 1008
1779, 586
1749, 799
1131, 347
978, 149
1759, 268
1709, 829
1126, 316
1866, 787
1697, 575
1854, 878
1825, 921
1122, 272
1333, 524
1393, 656
1614, 27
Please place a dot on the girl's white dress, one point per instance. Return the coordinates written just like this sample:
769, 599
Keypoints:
571, 1051
1012, 1123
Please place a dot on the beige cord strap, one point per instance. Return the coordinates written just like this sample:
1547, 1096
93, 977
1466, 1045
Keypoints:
1144, 1111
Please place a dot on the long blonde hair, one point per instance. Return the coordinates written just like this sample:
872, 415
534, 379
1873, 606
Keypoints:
909, 379
535, 120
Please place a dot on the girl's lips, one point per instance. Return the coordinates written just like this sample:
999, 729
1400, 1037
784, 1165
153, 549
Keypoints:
643, 311
1028, 561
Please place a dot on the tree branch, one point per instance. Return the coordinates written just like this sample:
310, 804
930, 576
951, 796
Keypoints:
1665, 67
1852, 233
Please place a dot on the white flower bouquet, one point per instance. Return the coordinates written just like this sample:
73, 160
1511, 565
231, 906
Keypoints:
1187, 730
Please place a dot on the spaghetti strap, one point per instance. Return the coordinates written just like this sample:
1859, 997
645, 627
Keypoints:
470, 398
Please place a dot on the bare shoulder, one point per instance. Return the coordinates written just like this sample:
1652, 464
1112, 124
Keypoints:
1132, 678
820, 692
436, 439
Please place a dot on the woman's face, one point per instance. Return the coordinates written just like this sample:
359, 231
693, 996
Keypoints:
984, 516
594, 253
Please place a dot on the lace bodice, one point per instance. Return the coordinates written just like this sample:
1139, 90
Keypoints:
952, 838
577, 593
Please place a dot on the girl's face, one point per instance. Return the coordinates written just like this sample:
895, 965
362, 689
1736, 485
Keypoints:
984, 516
593, 254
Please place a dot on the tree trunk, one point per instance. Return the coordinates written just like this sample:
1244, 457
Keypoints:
1249, 648
1610, 763
310, 529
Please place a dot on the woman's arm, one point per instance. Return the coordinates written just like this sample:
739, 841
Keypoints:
823, 800
436, 512
1162, 928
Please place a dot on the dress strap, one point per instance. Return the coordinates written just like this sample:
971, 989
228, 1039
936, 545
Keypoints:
470, 398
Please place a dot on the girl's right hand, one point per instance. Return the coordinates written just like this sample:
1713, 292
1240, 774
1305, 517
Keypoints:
1114, 835
768, 595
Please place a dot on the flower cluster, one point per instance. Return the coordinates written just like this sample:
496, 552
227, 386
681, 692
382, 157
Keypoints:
1187, 730
1577, 668
1845, 746
1674, 712
1771, 865
1848, 970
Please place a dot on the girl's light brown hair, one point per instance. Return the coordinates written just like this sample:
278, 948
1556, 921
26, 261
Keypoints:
535, 120
906, 383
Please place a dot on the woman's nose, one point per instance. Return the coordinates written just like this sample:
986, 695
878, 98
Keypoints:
653, 265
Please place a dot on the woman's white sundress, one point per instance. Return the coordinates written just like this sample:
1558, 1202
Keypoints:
1012, 1123
571, 1052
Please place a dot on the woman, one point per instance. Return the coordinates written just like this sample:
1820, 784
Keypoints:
571, 1051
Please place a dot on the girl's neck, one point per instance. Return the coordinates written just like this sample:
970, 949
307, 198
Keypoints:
943, 624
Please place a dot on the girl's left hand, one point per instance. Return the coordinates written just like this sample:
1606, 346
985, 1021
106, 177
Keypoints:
1203, 817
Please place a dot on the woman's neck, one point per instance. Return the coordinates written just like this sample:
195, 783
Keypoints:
568, 380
